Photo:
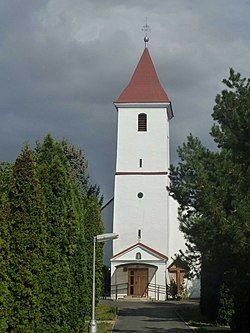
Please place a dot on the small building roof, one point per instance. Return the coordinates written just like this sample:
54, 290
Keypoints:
144, 86
143, 246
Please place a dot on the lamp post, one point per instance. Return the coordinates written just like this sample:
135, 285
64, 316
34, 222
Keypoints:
100, 239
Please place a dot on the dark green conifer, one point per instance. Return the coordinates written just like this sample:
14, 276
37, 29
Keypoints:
213, 189
93, 226
27, 246
5, 295
78, 167
79, 172
90, 198
64, 275
45, 258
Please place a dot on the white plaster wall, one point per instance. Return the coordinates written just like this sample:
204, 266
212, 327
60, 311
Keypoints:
156, 213
150, 213
151, 146
159, 280
107, 217
131, 255
193, 288
176, 237
119, 278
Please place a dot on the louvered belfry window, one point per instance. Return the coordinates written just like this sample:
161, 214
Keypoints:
142, 122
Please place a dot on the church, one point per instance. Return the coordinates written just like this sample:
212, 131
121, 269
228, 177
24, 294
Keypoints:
144, 214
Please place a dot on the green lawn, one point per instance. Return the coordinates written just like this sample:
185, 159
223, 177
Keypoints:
102, 327
191, 314
105, 317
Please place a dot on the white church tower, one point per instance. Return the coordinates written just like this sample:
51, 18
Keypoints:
145, 216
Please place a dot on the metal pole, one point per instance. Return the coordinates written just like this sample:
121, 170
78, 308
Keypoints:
92, 324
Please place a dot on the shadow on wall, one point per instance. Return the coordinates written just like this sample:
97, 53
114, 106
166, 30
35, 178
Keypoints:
107, 218
194, 288
120, 278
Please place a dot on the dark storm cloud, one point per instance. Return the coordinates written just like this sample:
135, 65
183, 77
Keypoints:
63, 62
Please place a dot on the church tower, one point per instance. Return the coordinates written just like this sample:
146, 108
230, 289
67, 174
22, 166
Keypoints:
145, 216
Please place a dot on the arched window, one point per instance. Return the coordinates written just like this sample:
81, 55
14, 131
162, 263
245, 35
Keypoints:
142, 122
138, 256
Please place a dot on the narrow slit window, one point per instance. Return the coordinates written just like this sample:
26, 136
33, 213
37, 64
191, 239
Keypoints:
140, 163
139, 233
142, 122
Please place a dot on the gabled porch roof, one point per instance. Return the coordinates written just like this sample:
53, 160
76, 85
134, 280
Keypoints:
143, 247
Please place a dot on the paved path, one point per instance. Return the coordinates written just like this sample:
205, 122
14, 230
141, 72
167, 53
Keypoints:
150, 317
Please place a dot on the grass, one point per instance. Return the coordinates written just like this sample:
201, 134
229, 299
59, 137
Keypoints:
105, 312
213, 330
191, 314
105, 317
102, 327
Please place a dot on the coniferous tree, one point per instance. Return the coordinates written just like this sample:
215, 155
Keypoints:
232, 134
27, 246
5, 295
78, 167
93, 226
90, 198
45, 258
79, 172
213, 191
62, 309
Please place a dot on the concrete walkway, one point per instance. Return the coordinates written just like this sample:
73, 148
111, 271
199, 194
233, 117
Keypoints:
148, 317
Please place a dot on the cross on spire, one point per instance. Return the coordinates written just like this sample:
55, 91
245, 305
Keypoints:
146, 29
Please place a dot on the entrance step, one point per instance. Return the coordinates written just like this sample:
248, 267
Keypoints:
135, 299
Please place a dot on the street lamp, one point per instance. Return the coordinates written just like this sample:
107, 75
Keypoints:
100, 239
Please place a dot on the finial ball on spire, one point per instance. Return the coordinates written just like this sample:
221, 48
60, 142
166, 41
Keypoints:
146, 28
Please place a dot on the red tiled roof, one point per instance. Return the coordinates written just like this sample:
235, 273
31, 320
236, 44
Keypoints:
143, 246
144, 85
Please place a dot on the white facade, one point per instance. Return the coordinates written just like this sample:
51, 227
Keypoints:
149, 213
154, 263
145, 216
151, 145
142, 167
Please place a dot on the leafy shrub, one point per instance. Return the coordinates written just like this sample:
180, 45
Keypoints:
172, 289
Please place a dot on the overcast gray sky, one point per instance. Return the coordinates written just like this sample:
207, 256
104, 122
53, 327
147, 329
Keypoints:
63, 62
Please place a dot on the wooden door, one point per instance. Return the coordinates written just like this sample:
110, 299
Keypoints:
138, 282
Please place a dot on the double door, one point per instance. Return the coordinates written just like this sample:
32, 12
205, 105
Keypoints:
138, 282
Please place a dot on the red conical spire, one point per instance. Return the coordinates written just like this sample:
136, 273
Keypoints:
144, 86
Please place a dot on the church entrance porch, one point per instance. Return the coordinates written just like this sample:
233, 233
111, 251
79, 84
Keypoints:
138, 272
138, 282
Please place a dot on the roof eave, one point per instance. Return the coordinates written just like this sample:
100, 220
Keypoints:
161, 255
160, 104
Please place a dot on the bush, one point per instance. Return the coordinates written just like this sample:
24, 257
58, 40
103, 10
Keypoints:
172, 289
226, 305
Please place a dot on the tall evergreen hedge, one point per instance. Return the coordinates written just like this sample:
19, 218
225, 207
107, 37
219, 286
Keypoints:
46, 242
93, 226
27, 246
5, 295
62, 231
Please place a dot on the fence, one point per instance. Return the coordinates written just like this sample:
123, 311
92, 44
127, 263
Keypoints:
156, 289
